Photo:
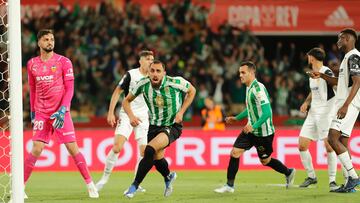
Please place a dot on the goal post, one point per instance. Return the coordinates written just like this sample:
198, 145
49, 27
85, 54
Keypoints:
15, 102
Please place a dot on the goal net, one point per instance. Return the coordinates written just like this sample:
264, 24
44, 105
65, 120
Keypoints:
4, 107
11, 115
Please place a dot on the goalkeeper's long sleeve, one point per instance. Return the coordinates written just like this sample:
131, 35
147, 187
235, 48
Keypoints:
32, 97
69, 92
32, 88
266, 113
242, 115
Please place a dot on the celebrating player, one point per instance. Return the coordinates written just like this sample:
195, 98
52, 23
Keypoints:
316, 126
124, 128
164, 98
258, 132
51, 81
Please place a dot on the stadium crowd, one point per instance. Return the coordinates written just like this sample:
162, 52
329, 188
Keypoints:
102, 43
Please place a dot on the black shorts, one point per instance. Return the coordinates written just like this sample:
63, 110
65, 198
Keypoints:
173, 132
263, 145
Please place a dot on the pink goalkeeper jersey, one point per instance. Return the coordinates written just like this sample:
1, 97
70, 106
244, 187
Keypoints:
51, 83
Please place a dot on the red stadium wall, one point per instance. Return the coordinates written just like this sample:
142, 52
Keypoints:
279, 16
262, 17
195, 150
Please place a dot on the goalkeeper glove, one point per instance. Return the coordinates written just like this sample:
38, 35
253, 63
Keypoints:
32, 117
59, 117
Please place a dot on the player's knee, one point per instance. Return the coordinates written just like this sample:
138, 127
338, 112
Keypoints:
36, 150
329, 149
332, 141
142, 150
235, 153
302, 148
264, 162
142, 153
116, 149
149, 152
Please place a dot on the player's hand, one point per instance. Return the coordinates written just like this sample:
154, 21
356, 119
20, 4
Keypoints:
111, 119
59, 117
304, 107
313, 74
32, 117
135, 121
230, 120
342, 112
179, 117
248, 129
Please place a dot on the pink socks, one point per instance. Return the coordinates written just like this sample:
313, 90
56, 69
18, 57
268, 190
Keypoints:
81, 164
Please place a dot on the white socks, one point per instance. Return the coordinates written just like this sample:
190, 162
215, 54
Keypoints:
346, 162
332, 166
109, 164
307, 163
344, 172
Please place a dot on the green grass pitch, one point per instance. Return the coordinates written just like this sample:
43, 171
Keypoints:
190, 186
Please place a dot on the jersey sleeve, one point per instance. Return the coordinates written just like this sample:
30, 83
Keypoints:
354, 65
67, 68
326, 91
125, 83
181, 84
261, 96
68, 75
329, 72
139, 87
31, 82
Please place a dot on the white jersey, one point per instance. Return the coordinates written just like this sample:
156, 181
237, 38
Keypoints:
349, 67
318, 120
138, 106
322, 94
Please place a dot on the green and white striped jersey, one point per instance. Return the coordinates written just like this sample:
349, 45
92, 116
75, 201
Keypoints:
257, 95
165, 102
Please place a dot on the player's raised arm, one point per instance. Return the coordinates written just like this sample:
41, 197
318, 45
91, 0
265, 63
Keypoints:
114, 100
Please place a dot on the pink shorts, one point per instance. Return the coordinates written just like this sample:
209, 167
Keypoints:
43, 129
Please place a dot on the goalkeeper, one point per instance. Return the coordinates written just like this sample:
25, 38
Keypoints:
51, 82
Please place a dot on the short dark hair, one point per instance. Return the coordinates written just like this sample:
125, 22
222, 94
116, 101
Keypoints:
145, 53
157, 62
317, 53
249, 64
350, 31
43, 32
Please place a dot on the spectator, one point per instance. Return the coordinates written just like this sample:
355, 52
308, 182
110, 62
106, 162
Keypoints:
213, 117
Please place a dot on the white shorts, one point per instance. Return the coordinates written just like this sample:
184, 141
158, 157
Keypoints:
125, 129
346, 124
316, 126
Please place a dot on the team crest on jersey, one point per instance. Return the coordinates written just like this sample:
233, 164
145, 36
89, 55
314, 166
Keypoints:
53, 68
159, 101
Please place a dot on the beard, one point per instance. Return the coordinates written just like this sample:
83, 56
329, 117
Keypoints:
48, 50
155, 85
